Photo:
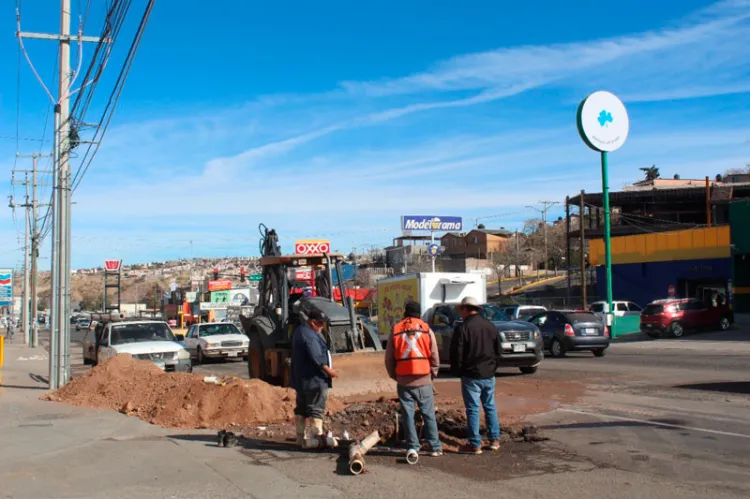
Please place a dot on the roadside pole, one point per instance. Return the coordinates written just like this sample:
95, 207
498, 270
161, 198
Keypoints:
603, 125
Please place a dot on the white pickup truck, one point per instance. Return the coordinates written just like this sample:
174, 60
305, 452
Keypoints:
143, 339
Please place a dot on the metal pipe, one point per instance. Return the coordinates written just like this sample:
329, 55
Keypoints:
330, 276
358, 450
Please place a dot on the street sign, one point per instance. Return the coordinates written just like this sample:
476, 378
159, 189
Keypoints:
255, 277
112, 266
433, 250
173, 286
671, 291
312, 246
603, 122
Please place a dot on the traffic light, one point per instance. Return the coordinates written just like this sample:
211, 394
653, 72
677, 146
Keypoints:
216, 274
242, 274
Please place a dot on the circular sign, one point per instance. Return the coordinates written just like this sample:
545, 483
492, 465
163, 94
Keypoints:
671, 291
433, 250
603, 121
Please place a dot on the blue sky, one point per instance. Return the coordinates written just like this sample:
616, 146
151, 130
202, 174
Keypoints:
333, 119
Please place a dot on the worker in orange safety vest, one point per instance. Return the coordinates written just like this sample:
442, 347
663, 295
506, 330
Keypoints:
411, 358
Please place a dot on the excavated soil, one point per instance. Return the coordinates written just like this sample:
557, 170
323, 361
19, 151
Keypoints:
179, 400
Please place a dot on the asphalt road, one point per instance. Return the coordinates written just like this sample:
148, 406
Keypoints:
664, 418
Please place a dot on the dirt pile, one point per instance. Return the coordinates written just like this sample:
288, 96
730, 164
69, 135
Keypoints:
180, 400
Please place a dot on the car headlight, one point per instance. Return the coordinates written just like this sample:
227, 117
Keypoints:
209, 345
536, 334
183, 354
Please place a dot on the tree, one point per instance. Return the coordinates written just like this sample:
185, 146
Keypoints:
481, 226
652, 172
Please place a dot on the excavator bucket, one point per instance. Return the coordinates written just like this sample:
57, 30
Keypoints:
361, 375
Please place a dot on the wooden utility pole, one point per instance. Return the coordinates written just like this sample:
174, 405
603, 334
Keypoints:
583, 254
708, 203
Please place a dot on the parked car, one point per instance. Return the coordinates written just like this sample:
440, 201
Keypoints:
216, 340
83, 324
621, 308
521, 341
522, 312
144, 340
568, 331
674, 316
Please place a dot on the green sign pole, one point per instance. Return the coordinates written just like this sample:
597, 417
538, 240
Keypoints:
607, 238
603, 124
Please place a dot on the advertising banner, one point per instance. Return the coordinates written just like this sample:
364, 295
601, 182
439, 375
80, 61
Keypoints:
219, 285
6, 287
220, 296
241, 296
431, 223
191, 296
206, 306
312, 246
392, 298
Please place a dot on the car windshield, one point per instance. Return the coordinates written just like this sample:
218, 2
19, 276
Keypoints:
492, 313
137, 333
653, 309
214, 329
527, 313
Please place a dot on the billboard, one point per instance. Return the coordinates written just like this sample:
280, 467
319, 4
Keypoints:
242, 296
220, 285
6, 287
220, 296
112, 266
312, 246
431, 223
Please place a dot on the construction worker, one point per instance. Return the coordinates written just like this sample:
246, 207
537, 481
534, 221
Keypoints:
412, 359
311, 374
475, 348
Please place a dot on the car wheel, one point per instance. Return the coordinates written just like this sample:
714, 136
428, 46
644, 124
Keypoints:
600, 352
724, 323
199, 358
556, 349
676, 330
528, 369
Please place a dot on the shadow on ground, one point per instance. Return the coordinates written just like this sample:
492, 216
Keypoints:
741, 387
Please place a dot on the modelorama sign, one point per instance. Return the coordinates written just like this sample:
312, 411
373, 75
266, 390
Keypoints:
431, 223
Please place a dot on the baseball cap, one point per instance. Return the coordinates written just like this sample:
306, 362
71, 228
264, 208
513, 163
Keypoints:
470, 301
317, 315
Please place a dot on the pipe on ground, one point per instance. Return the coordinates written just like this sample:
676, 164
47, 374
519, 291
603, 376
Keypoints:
358, 450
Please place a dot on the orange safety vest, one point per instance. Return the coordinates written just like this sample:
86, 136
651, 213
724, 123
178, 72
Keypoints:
412, 347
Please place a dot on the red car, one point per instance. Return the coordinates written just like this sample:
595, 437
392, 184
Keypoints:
676, 315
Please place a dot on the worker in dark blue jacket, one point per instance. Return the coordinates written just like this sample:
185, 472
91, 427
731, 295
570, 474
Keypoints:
311, 374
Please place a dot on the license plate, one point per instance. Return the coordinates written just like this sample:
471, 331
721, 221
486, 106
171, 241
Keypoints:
519, 347
591, 331
231, 354
648, 326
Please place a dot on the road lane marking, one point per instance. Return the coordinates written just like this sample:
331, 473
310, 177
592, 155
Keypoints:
657, 423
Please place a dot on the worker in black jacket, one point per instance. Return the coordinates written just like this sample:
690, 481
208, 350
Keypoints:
475, 348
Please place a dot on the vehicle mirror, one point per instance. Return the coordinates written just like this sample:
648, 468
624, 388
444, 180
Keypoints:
180, 337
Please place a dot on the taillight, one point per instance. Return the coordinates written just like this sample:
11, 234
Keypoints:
569, 330
606, 331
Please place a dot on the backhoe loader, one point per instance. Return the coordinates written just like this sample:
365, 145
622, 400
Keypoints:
356, 352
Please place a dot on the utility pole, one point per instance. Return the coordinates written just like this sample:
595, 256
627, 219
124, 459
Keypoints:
545, 206
583, 251
60, 263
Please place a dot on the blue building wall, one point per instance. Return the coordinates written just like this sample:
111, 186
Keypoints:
646, 282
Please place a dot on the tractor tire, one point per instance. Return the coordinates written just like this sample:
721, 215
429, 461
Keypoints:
256, 364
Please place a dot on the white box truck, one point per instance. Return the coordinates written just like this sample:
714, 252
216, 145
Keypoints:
438, 294
427, 288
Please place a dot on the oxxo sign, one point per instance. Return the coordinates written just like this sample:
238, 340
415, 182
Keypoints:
112, 266
312, 246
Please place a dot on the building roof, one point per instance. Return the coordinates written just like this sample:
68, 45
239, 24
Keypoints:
723, 192
494, 232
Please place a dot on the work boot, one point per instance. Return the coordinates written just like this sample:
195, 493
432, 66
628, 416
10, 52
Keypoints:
317, 431
300, 425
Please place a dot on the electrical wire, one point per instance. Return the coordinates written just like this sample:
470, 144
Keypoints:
26, 54
114, 96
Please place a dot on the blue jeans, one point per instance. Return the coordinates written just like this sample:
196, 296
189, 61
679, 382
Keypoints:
475, 391
423, 397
